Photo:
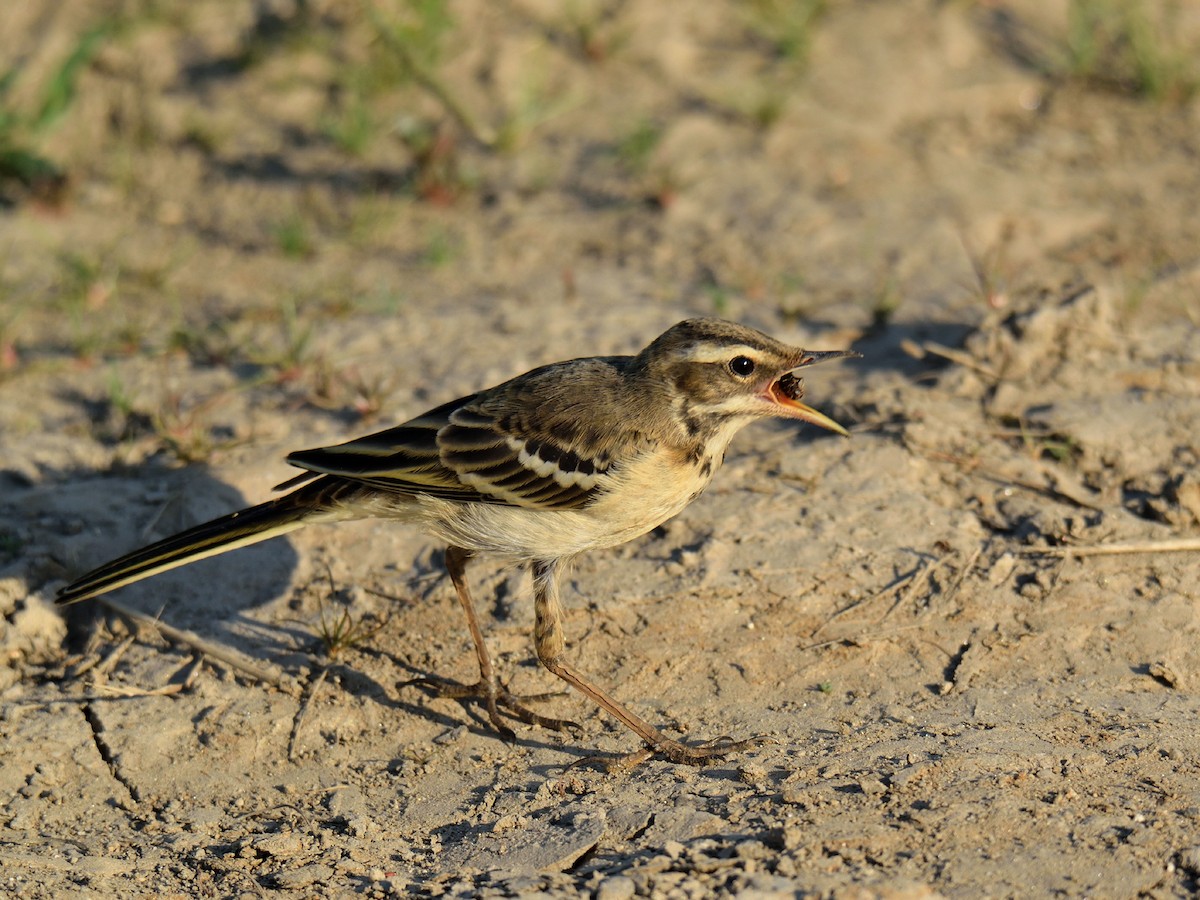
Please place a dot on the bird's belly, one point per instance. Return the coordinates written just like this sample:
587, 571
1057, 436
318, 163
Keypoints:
647, 495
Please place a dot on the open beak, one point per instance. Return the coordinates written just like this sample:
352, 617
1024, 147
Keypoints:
787, 390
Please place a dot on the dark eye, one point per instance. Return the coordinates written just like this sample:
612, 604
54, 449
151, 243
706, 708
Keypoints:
741, 366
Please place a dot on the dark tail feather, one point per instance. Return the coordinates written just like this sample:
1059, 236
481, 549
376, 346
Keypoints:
239, 529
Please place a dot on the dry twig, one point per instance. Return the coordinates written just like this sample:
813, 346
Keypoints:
213, 651
1178, 545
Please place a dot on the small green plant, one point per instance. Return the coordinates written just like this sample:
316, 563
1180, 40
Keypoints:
367, 394
87, 284
117, 420
594, 29
287, 26
438, 177
888, 298
656, 179
636, 149
210, 344
185, 431
383, 300
1039, 443
333, 389
825, 687
294, 237
787, 25
538, 100
336, 635
416, 42
1126, 45
768, 108
10, 357
118, 395
442, 248
342, 632
718, 296
353, 127
421, 28
22, 161
290, 362
1063, 450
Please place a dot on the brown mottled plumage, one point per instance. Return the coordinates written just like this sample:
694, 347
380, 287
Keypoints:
569, 457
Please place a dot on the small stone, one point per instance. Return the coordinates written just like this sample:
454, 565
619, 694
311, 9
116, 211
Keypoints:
1164, 673
360, 826
1189, 861
280, 846
872, 787
1002, 568
303, 877
619, 887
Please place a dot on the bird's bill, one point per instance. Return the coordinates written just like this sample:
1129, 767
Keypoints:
812, 357
794, 409
787, 390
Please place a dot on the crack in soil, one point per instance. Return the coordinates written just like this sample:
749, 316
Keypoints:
106, 753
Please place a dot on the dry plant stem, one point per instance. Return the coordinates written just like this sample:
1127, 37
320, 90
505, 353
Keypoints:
999, 476
902, 580
1179, 545
861, 638
197, 643
106, 691
102, 664
952, 591
919, 576
109, 661
933, 348
432, 83
920, 579
302, 712
383, 595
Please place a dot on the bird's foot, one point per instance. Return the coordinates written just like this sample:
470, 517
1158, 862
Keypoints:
676, 752
496, 698
717, 748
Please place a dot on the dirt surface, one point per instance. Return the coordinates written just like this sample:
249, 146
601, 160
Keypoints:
272, 238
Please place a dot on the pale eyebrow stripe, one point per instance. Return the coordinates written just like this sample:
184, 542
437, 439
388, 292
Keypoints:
722, 354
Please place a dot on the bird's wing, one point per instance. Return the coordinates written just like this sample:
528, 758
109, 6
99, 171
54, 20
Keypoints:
518, 448
404, 459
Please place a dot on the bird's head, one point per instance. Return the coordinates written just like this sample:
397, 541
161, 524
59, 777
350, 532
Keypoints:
720, 370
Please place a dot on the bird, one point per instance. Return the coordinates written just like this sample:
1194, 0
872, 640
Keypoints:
567, 458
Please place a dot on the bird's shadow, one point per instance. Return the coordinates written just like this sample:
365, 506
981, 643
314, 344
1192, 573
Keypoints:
80, 519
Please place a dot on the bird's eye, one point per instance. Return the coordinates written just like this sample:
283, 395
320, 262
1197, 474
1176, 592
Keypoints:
741, 366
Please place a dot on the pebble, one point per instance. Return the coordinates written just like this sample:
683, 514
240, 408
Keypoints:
619, 887
315, 873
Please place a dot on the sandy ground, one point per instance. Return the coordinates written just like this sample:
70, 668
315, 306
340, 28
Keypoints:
959, 706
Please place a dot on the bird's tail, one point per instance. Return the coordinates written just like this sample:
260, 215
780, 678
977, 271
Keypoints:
239, 529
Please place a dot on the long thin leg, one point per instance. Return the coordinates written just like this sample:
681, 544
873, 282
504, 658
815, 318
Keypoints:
489, 688
456, 565
548, 639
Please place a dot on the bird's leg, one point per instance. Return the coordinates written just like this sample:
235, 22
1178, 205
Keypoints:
491, 689
548, 639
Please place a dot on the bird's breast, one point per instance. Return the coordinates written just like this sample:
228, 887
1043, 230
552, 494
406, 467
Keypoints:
641, 493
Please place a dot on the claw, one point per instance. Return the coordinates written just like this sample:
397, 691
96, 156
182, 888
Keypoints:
495, 697
675, 752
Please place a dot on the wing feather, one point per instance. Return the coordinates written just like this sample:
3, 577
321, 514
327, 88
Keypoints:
489, 448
